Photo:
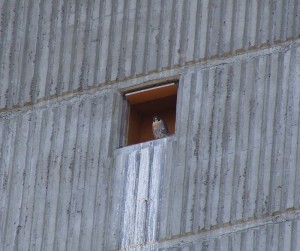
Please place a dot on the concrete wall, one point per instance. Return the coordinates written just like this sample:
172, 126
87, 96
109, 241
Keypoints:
228, 179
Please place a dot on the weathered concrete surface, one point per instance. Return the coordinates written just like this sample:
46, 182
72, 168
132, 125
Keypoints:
227, 180
52, 47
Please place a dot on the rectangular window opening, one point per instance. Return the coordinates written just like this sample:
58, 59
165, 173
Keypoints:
142, 105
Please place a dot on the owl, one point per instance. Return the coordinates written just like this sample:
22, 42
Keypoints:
159, 128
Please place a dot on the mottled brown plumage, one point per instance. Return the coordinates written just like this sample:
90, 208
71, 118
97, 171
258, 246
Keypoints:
159, 128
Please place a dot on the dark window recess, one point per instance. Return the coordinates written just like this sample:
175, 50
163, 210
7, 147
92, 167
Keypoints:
142, 105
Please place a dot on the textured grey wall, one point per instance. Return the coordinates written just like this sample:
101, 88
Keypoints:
228, 180
54, 47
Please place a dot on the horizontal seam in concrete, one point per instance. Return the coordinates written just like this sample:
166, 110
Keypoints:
146, 80
189, 238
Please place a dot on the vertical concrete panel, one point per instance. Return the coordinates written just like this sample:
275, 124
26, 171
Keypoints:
130, 199
6, 153
28, 84
104, 165
192, 150
163, 38
180, 174
39, 82
114, 207
16, 48
4, 51
64, 211
90, 179
15, 188
190, 33
54, 162
70, 208
26, 214
54, 42
166, 208
118, 27
80, 34
140, 225
65, 47
41, 179
96, 10
174, 33
154, 193
126, 46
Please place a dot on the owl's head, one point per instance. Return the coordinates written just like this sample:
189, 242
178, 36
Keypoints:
156, 118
